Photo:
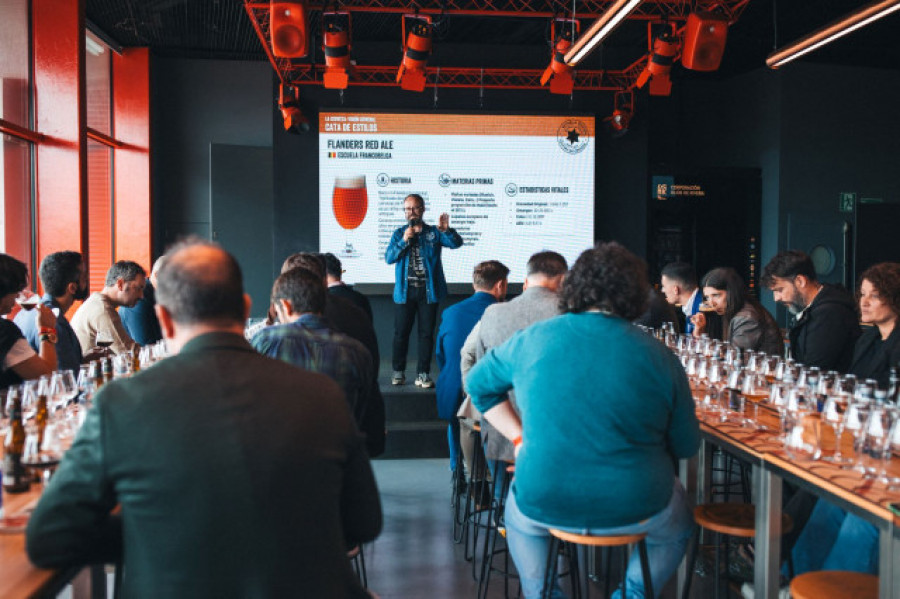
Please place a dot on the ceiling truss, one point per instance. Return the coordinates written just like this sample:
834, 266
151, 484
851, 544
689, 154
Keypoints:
303, 73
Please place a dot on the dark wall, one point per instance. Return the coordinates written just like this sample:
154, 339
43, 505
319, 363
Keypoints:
196, 103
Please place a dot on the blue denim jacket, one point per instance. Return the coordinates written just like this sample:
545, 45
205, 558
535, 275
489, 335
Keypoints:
433, 239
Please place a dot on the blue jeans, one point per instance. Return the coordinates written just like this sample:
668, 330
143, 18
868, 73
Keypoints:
835, 540
667, 531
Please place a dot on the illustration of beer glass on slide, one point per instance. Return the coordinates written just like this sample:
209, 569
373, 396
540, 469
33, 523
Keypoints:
350, 204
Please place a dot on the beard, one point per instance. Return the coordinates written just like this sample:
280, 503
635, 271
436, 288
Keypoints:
82, 293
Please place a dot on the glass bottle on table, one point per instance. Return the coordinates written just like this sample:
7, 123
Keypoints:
15, 476
42, 412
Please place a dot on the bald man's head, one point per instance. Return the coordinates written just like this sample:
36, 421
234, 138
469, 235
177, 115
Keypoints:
200, 283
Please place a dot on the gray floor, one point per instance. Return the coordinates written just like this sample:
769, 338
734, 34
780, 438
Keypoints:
415, 556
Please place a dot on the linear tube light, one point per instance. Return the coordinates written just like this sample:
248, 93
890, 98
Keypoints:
831, 32
601, 28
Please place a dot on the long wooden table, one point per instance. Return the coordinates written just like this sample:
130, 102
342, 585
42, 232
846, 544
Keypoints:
849, 490
18, 577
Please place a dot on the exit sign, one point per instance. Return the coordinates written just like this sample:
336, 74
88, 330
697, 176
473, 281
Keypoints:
847, 201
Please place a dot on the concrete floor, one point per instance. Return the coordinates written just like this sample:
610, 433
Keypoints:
415, 556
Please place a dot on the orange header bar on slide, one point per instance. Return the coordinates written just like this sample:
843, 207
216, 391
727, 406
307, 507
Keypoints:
368, 123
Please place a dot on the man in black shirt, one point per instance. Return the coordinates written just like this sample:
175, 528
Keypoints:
825, 321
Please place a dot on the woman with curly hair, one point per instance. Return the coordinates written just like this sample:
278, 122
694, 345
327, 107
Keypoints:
878, 349
834, 539
609, 403
745, 322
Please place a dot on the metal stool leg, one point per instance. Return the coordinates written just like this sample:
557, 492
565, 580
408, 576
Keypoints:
645, 569
550, 570
692, 559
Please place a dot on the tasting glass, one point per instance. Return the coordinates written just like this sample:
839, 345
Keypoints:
833, 413
802, 427
872, 440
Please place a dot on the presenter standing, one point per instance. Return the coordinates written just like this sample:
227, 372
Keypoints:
419, 284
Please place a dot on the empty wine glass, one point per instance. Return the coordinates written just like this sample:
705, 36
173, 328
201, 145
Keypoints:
854, 421
891, 445
872, 440
63, 388
715, 379
833, 413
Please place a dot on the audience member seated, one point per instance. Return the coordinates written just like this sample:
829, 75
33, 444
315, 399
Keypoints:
825, 322
64, 277
334, 272
342, 315
306, 340
879, 304
124, 287
544, 274
606, 412
834, 539
678, 282
218, 472
140, 321
19, 360
745, 322
489, 279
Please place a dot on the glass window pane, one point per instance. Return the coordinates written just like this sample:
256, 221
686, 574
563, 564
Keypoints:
96, 65
100, 255
14, 61
15, 199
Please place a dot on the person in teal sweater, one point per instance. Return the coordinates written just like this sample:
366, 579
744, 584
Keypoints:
609, 403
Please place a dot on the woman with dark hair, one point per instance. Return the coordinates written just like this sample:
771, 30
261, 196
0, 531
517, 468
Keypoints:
606, 412
878, 349
18, 359
744, 321
834, 539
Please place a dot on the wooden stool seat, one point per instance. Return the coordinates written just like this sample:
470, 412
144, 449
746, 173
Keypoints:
834, 585
597, 541
735, 519
572, 540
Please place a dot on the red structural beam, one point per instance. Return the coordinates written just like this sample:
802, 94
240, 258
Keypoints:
385, 76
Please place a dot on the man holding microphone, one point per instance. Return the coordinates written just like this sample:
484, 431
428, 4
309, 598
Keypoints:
419, 284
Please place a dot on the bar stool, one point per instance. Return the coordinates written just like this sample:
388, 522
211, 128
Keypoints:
573, 540
495, 517
358, 560
478, 505
728, 520
834, 585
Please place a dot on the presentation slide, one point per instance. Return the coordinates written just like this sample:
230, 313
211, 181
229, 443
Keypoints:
513, 185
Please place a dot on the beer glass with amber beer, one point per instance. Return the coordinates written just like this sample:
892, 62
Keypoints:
350, 204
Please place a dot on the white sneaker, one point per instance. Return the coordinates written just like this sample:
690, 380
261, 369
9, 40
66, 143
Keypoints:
398, 378
748, 592
424, 381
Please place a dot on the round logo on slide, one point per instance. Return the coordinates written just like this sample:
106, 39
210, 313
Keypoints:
383, 180
572, 136
512, 189
444, 180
